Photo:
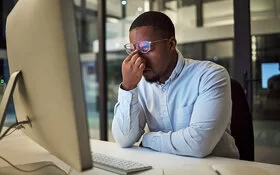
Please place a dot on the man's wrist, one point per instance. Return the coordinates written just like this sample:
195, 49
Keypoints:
152, 140
127, 88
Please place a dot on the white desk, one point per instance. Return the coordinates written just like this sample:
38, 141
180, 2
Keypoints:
19, 149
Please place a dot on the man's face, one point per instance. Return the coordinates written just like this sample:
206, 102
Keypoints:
158, 60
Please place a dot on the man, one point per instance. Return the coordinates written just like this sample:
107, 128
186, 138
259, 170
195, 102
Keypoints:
185, 103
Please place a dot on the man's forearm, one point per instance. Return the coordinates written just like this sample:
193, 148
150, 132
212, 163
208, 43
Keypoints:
126, 136
128, 122
186, 142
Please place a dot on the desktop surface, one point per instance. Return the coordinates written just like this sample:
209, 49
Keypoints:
162, 163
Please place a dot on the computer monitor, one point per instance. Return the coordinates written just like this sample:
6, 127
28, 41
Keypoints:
267, 71
45, 67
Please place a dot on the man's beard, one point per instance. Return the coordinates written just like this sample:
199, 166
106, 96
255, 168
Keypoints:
152, 79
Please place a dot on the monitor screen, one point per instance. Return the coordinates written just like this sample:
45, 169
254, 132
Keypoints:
269, 70
42, 45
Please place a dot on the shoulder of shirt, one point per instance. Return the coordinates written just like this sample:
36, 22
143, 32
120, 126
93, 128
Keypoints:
201, 64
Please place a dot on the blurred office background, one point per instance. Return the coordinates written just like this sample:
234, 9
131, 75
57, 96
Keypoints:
243, 39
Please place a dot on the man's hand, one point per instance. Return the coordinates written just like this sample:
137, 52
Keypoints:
132, 70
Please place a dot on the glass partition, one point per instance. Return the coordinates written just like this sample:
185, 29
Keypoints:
87, 32
77, 2
217, 13
221, 52
265, 10
266, 97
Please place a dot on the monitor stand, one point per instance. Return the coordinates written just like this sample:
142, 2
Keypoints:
45, 167
7, 96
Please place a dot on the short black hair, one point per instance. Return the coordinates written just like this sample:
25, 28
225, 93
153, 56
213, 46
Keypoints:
157, 20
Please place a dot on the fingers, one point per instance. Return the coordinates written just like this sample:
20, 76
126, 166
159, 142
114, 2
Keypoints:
130, 56
142, 66
139, 61
132, 70
134, 60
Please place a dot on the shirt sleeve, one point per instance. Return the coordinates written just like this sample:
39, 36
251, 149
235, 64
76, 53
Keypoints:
209, 119
129, 120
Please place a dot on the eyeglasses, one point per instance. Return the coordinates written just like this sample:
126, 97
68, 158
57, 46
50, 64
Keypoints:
143, 46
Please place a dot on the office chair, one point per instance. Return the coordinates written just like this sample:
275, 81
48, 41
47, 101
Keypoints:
241, 122
270, 109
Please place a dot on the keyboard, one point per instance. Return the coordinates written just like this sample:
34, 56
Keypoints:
116, 165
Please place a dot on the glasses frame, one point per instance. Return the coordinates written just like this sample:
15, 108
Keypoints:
136, 46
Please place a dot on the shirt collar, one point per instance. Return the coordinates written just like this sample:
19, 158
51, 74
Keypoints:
178, 68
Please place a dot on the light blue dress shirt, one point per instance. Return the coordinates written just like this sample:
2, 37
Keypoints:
188, 115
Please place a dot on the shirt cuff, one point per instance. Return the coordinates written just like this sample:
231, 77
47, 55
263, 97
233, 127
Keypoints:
130, 96
158, 141
152, 140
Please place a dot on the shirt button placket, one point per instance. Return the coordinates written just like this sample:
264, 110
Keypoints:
165, 116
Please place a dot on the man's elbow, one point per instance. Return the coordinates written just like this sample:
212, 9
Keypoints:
123, 141
125, 144
202, 152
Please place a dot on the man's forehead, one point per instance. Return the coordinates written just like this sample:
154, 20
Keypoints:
143, 33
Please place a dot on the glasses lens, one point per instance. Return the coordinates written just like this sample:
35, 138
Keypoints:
144, 46
129, 48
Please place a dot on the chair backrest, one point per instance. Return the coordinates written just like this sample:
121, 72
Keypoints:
241, 122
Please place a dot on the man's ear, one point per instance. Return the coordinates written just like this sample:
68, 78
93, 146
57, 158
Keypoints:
172, 43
